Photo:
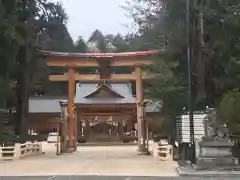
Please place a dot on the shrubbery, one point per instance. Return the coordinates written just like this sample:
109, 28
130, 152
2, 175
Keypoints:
229, 110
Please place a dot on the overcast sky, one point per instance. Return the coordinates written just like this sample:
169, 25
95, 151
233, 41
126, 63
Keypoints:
87, 15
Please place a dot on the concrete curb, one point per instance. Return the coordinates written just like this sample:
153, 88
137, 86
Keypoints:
189, 171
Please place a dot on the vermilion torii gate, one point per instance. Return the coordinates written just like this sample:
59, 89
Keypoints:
104, 61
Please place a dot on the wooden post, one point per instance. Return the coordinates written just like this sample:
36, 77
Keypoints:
122, 132
139, 97
143, 133
58, 138
118, 129
87, 129
76, 118
147, 134
71, 124
64, 130
80, 129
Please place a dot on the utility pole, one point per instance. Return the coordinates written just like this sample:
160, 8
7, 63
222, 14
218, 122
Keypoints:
190, 84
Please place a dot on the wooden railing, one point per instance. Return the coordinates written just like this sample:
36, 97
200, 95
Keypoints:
20, 150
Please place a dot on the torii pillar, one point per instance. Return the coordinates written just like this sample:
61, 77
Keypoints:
71, 121
140, 110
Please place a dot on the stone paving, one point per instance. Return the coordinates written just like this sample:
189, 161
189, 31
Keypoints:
97, 160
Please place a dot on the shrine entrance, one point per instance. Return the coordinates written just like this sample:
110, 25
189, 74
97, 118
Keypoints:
106, 111
105, 106
107, 129
102, 128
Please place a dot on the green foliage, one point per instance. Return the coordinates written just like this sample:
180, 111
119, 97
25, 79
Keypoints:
27, 25
6, 132
98, 38
6, 92
121, 44
80, 45
110, 42
167, 85
165, 20
229, 109
164, 125
7, 135
163, 25
222, 21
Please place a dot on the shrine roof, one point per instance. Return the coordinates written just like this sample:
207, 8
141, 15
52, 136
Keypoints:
100, 55
86, 94
43, 104
104, 87
124, 91
52, 104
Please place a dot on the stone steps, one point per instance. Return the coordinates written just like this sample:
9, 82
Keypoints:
103, 139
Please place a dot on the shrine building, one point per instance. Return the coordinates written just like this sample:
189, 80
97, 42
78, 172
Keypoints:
106, 112
101, 105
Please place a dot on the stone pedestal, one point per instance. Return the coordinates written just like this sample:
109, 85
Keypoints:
215, 154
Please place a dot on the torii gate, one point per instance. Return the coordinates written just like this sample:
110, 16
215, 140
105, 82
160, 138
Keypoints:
104, 61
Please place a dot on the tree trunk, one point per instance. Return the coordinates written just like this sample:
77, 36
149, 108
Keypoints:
24, 59
22, 91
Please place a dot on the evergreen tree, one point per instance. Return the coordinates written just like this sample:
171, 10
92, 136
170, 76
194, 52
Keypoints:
80, 45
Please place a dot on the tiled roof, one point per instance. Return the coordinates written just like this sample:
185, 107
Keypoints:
123, 89
45, 104
83, 89
100, 55
104, 87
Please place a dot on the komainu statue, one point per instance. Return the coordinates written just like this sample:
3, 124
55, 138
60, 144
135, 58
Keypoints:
213, 128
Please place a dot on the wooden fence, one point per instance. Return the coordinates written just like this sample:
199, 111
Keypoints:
20, 150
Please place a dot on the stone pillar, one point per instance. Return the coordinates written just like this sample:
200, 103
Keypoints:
140, 109
71, 122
